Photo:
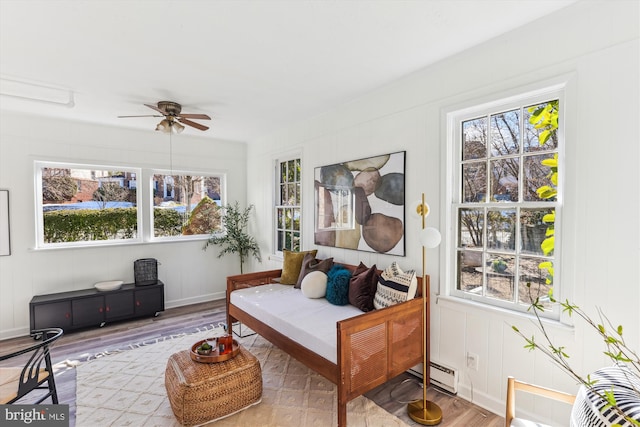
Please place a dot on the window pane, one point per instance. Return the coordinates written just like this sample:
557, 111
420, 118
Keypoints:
537, 175
291, 195
474, 182
545, 116
280, 236
500, 277
505, 133
533, 231
470, 271
291, 171
533, 282
182, 205
471, 224
474, 139
501, 229
283, 172
297, 200
504, 180
296, 219
82, 205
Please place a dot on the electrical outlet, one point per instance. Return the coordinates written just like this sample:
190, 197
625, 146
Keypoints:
472, 361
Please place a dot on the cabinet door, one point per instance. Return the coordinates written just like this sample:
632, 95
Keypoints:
88, 311
51, 315
149, 301
118, 305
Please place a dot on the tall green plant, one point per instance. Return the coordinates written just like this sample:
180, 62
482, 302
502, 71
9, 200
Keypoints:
235, 238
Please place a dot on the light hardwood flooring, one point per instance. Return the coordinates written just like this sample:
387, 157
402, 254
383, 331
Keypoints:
75, 345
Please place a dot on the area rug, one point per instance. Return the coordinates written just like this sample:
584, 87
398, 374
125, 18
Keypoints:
126, 388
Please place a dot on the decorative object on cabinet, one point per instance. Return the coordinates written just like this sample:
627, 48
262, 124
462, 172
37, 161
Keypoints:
5, 241
145, 271
360, 204
110, 285
90, 307
423, 411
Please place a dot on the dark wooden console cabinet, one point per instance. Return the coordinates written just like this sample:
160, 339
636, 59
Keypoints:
90, 307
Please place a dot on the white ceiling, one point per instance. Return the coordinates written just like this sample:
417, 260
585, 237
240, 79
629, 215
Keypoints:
253, 66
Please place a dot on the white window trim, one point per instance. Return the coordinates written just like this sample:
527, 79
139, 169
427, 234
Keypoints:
144, 202
451, 119
148, 203
277, 254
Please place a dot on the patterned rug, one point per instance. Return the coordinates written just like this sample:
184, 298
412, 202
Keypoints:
126, 388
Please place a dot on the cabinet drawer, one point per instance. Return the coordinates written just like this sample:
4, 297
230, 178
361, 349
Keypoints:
149, 301
119, 305
51, 315
88, 311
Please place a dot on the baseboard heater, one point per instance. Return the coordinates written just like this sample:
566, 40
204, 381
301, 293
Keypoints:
443, 377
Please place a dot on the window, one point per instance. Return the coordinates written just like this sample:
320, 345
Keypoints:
85, 205
80, 204
186, 205
506, 201
287, 205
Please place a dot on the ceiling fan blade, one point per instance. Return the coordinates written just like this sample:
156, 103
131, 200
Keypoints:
192, 124
148, 115
195, 116
153, 107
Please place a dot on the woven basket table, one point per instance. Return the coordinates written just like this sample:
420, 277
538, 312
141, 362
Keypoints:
203, 392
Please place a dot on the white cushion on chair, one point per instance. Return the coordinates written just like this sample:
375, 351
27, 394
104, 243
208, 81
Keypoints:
519, 422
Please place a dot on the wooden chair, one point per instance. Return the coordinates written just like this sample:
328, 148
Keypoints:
15, 383
513, 385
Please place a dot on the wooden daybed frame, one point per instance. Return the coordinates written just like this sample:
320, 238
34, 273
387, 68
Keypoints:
392, 334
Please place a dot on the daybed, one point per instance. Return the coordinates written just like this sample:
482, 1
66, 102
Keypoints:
370, 348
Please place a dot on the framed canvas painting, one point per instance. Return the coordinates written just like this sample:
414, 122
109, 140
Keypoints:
360, 204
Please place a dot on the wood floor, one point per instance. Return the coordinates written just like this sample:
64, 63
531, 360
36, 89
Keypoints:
75, 346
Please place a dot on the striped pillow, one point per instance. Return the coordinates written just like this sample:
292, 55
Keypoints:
395, 286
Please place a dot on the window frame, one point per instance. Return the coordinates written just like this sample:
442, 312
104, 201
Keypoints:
454, 118
144, 203
150, 232
277, 202
39, 165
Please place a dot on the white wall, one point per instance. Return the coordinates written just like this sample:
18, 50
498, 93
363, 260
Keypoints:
595, 45
189, 273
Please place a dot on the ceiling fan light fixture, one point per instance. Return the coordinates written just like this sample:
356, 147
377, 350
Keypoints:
177, 127
164, 126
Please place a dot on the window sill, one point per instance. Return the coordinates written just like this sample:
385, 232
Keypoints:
112, 243
467, 306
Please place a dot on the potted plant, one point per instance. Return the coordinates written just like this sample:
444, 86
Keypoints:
235, 239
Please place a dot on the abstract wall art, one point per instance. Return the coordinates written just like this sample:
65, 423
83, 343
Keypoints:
360, 204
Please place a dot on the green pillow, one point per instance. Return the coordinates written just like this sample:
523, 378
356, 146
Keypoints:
292, 265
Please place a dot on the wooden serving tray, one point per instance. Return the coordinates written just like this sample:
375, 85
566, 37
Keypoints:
214, 356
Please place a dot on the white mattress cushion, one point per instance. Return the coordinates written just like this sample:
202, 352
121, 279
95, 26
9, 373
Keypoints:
309, 322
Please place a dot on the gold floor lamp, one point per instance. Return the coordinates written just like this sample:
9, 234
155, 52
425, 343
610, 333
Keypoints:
423, 411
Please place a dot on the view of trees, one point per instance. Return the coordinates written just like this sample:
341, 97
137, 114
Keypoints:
92, 204
508, 173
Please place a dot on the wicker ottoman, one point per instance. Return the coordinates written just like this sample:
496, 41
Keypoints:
203, 392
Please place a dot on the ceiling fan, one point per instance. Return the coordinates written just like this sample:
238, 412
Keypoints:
171, 111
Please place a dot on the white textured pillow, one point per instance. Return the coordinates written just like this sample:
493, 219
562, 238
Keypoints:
314, 285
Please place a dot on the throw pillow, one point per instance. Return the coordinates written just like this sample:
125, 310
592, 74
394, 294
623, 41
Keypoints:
362, 287
310, 263
291, 266
395, 286
338, 285
314, 285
